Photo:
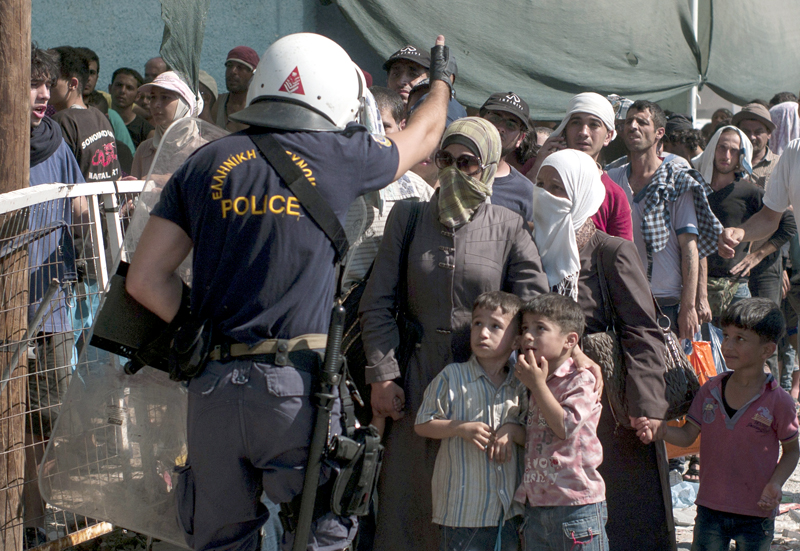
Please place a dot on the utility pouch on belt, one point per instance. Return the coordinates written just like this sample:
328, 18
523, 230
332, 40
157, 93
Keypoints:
360, 458
359, 454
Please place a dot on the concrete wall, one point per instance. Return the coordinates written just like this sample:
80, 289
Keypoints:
126, 33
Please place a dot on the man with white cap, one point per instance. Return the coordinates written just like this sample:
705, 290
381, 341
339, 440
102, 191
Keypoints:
263, 279
673, 226
240, 66
589, 126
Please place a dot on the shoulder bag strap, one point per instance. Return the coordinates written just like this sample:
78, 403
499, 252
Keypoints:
607, 304
316, 206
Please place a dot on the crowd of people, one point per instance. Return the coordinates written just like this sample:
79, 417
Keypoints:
503, 240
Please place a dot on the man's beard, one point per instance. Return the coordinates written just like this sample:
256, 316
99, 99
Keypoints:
729, 170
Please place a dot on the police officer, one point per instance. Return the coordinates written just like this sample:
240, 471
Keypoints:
263, 274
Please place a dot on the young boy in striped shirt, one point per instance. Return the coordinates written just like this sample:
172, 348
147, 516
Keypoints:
476, 408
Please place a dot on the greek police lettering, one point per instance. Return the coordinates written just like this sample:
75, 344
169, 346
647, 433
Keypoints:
276, 204
96, 136
300, 162
222, 172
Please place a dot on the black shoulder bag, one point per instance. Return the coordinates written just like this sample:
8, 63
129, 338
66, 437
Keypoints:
681, 383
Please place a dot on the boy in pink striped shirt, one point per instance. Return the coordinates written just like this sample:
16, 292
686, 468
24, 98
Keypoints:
563, 493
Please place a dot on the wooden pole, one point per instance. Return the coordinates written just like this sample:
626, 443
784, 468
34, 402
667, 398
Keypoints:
15, 66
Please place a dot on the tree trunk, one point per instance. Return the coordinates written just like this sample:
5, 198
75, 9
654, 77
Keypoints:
15, 39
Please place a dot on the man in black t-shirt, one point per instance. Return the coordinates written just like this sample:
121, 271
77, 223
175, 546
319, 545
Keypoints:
263, 276
510, 114
86, 130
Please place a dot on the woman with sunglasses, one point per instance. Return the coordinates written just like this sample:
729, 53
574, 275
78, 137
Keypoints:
568, 192
462, 246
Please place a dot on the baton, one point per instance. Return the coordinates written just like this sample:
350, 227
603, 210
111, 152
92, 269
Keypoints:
325, 401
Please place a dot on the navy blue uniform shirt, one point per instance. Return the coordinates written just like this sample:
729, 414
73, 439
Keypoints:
262, 268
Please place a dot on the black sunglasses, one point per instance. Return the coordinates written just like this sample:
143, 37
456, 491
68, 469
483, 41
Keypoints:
468, 164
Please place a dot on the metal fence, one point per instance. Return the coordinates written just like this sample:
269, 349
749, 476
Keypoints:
56, 245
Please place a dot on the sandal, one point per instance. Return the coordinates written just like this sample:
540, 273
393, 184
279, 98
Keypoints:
692, 474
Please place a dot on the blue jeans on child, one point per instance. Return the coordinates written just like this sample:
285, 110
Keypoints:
714, 530
566, 528
480, 539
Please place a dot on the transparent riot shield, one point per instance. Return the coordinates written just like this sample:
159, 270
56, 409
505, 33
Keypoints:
118, 437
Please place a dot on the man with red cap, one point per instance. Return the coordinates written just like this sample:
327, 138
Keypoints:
239, 68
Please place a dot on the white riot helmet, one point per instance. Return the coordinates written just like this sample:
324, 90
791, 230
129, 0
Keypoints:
304, 81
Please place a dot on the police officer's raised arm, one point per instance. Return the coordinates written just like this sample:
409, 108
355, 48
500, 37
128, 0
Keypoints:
151, 278
426, 125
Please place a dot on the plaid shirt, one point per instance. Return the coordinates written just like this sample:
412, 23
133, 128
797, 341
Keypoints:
669, 182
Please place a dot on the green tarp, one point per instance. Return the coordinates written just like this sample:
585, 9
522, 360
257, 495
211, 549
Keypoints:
184, 27
548, 50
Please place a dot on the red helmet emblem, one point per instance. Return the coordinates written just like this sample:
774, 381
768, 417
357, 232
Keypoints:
293, 84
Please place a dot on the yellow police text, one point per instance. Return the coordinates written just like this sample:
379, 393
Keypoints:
222, 171
276, 204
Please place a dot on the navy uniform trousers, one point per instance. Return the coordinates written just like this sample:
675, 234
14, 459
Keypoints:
249, 428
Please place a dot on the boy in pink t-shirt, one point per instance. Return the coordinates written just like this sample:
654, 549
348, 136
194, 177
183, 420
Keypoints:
743, 415
563, 493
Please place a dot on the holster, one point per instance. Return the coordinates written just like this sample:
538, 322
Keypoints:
190, 349
359, 457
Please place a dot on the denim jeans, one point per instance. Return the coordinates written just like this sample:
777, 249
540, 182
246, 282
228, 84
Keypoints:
714, 530
480, 539
566, 528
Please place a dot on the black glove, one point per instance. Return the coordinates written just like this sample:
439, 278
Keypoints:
156, 353
443, 66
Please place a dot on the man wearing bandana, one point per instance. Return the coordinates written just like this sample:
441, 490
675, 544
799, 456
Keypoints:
673, 225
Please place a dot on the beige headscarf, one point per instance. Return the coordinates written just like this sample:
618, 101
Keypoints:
459, 194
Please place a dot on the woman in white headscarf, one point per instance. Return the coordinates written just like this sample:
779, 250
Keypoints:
171, 99
573, 251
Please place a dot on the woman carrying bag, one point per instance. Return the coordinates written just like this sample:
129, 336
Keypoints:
576, 256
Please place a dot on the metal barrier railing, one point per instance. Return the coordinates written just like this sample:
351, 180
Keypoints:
57, 243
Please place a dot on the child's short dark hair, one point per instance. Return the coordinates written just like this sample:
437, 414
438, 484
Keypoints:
759, 315
561, 310
98, 101
509, 304
389, 100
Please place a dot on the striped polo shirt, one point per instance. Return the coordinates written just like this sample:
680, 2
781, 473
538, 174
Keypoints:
468, 489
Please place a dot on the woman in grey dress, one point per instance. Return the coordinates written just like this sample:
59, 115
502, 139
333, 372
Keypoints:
462, 246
